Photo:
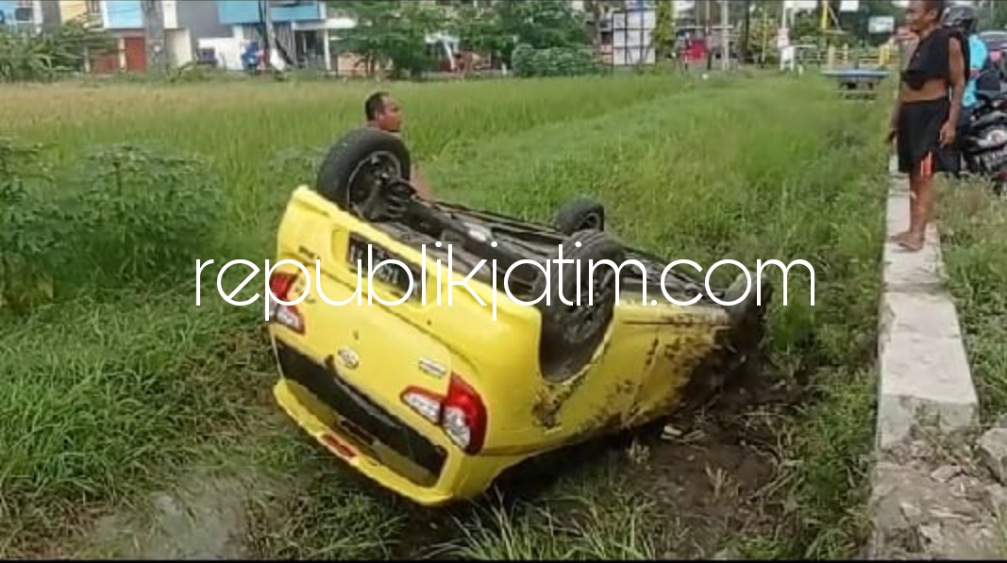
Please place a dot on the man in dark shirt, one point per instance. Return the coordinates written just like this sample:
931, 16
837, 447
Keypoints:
384, 113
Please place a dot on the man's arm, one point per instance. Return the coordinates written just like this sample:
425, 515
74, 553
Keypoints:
957, 80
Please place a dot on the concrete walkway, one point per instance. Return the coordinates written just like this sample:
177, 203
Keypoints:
927, 501
924, 370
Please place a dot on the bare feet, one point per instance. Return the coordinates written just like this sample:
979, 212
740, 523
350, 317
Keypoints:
901, 237
912, 243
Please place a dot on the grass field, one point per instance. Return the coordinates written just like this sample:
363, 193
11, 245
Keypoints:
117, 386
974, 228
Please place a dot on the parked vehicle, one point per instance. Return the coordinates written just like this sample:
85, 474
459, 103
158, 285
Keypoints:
996, 44
984, 143
437, 399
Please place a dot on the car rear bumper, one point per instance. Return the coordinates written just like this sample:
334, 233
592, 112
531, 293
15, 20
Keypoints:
370, 439
287, 396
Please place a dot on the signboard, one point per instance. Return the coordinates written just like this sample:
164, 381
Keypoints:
881, 24
631, 37
783, 38
849, 6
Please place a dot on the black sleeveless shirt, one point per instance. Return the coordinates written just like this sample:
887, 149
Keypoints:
931, 60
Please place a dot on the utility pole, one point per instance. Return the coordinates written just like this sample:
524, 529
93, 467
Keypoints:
707, 30
270, 36
725, 46
747, 6
153, 28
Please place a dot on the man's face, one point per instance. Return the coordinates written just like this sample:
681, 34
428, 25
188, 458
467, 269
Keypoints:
919, 17
390, 118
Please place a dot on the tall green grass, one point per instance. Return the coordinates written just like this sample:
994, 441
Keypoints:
974, 228
121, 380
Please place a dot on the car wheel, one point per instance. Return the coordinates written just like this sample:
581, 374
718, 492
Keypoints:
580, 214
570, 333
358, 168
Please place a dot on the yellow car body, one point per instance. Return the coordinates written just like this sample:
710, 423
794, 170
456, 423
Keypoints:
384, 387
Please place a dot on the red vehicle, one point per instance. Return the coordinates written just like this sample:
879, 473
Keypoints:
691, 42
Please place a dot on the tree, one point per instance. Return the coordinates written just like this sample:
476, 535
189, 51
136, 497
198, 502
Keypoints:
599, 10
390, 31
499, 27
479, 29
26, 56
540, 24
663, 37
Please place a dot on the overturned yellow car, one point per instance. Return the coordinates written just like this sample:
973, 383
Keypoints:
482, 341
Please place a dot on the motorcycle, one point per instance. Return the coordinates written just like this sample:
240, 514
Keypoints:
984, 141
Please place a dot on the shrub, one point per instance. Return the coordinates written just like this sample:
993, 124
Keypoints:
554, 61
32, 227
144, 214
26, 57
130, 215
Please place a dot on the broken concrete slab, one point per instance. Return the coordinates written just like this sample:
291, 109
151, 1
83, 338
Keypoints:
917, 516
992, 451
945, 473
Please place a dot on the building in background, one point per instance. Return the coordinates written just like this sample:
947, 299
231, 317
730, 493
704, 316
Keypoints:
304, 31
85, 11
22, 14
185, 21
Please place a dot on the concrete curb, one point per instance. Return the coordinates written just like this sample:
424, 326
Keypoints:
924, 378
924, 374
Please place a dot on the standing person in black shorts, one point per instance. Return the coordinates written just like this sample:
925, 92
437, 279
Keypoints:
925, 119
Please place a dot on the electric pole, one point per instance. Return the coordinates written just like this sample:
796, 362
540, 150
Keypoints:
153, 28
270, 37
746, 31
725, 47
708, 30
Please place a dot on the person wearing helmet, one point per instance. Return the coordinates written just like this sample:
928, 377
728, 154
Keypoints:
963, 18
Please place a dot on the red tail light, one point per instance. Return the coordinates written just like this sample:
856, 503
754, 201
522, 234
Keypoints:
287, 315
461, 414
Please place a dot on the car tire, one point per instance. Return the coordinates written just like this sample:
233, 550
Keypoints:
571, 334
340, 171
580, 214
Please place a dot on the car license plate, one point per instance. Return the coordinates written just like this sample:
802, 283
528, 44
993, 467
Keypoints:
391, 274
